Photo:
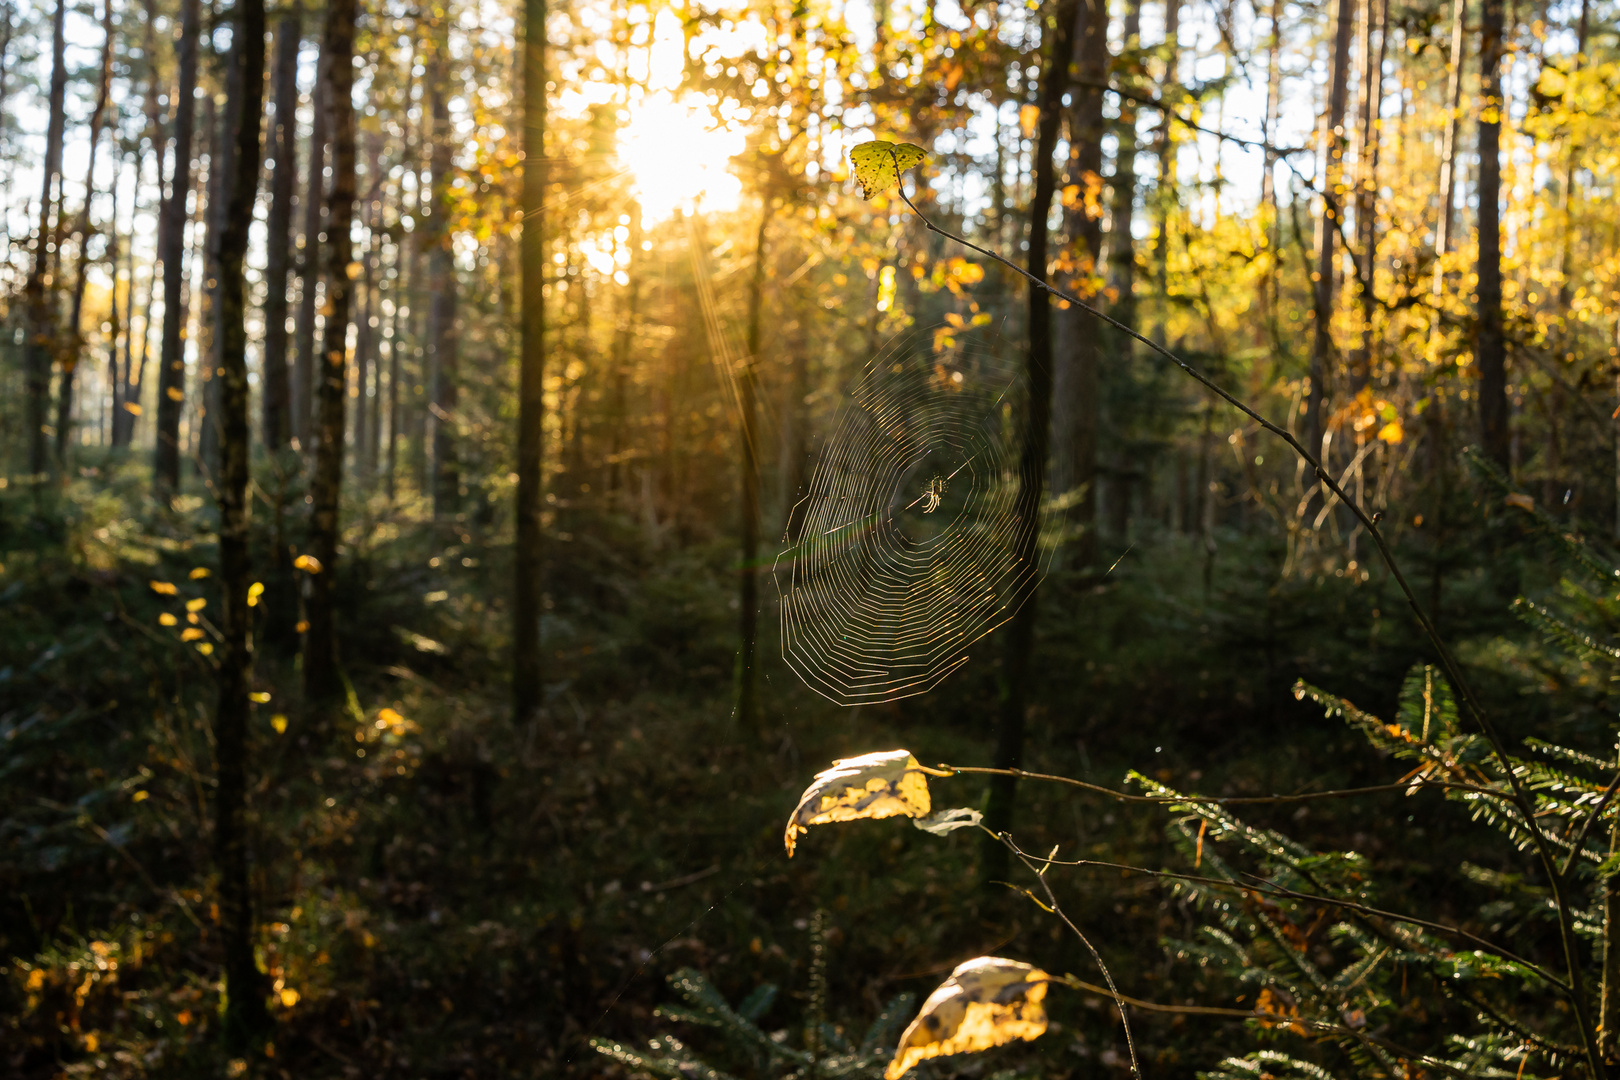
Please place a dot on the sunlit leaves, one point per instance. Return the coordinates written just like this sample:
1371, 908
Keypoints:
307, 563
878, 164
986, 1002
164, 588
889, 783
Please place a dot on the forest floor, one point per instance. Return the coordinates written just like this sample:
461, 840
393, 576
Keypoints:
445, 895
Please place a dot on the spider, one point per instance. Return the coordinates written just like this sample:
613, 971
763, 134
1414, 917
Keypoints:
934, 495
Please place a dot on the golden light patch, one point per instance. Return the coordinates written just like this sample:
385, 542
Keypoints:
889, 783
986, 1002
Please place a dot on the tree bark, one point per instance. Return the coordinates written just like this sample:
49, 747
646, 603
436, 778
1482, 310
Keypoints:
321, 682
221, 176
246, 1017
309, 261
528, 577
74, 346
283, 143
1335, 141
1492, 349
442, 287
40, 295
172, 246
1121, 242
1166, 196
1372, 98
1013, 679
747, 679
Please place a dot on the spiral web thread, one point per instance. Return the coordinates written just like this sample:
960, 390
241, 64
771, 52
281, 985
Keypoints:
907, 553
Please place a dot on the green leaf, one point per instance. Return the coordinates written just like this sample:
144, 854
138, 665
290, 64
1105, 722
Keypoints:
878, 165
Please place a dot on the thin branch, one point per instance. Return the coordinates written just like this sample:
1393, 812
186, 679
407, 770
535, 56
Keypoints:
1586, 826
1217, 800
1155, 103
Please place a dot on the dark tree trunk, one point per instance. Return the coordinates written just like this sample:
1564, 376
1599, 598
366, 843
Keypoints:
1322, 354
309, 258
748, 713
1121, 243
320, 642
246, 1017
40, 296
442, 289
73, 351
1076, 405
283, 143
1492, 349
528, 576
221, 176
1167, 195
1374, 21
171, 249
1013, 678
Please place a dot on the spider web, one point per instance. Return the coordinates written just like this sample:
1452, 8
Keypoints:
907, 554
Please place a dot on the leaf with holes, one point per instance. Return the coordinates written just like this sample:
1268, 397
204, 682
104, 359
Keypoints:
889, 783
986, 1002
878, 165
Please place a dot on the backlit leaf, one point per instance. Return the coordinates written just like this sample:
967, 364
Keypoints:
308, 563
164, 588
945, 821
986, 1002
888, 783
878, 165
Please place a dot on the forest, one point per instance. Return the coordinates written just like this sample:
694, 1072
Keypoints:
476, 477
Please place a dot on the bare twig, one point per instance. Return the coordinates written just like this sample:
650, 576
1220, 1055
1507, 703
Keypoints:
1216, 800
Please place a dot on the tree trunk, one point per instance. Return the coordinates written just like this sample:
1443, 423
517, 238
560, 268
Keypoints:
221, 176
623, 336
1448, 143
1333, 134
320, 644
1166, 196
748, 713
442, 288
41, 305
309, 260
73, 351
1013, 679
1077, 411
368, 310
1374, 21
171, 249
1566, 194
245, 1015
1121, 242
1491, 349
283, 144
528, 576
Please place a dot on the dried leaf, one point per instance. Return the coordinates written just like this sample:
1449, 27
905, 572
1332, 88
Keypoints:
986, 1002
878, 165
308, 563
888, 783
946, 821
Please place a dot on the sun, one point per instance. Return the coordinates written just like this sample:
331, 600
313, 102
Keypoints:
678, 154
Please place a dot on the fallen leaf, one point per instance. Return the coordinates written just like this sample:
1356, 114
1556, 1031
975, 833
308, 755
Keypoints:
986, 1002
889, 783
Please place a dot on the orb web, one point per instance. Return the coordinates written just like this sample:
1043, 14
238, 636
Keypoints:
907, 546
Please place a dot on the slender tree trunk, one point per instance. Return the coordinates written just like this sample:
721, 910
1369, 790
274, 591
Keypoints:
172, 246
1121, 241
442, 287
1077, 412
528, 577
1374, 22
74, 346
283, 143
1167, 194
245, 1015
1327, 225
1013, 678
748, 711
304, 376
320, 643
40, 296
221, 173
129, 409
1492, 349
1567, 192
623, 335
1448, 157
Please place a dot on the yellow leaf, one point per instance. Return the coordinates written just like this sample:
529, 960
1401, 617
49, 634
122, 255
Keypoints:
206, 648
1028, 118
196, 605
191, 633
303, 625
888, 783
1392, 432
307, 562
1521, 500
175, 393
198, 573
260, 697
92, 1042
354, 270
289, 997
255, 591
279, 722
878, 165
132, 408
140, 796
986, 1002
163, 588
166, 619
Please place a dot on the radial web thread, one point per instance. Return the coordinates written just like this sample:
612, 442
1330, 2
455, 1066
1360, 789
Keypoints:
907, 549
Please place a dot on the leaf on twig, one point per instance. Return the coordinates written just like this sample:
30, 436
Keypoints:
986, 1002
878, 165
946, 821
889, 783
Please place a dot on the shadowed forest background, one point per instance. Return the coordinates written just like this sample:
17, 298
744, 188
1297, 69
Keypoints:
399, 429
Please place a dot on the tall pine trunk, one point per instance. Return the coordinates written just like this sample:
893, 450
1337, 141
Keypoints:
309, 258
320, 642
245, 1015
528, 563
1374, 22
283, 144
171, 249
1121, 243
441, 274
40, 296
1491, 349
1327, 224
1013, 678
221, 173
